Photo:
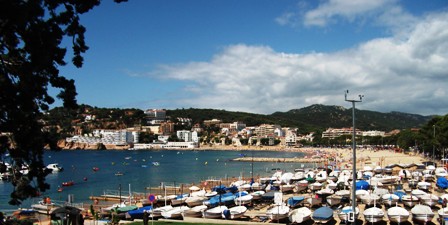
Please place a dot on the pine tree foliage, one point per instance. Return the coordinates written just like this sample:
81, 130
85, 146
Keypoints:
31, 52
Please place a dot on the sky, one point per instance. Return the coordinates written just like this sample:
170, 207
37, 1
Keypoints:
266, 56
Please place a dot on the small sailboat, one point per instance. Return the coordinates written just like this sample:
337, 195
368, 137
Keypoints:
373, 214
343, 214
234, 212
294, 201
410, 200
429, 199
195, 211
422, 213
175, 212
323, 214
299, 215
214, 213
390, 199
397, 214
277, 212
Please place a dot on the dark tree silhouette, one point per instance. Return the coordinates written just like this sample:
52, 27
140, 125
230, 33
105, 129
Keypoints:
31, 33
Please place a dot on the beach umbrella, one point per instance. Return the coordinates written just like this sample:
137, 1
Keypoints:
194, 188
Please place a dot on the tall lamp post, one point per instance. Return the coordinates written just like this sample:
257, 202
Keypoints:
434, 143
353, 101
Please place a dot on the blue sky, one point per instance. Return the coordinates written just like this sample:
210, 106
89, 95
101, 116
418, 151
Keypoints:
263, 56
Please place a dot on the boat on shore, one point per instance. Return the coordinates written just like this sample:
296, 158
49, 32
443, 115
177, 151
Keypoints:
422, 213
277, 212
299, 215
234, 212
214, 213
373, 214
397, 214
196, 211
323, 214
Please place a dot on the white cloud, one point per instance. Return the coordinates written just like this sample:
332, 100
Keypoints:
405, 73
347, 9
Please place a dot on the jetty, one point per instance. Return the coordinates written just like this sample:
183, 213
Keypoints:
283, 160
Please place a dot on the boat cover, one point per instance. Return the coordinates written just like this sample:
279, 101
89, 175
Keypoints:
323, 213
138, 213
442, 182
222, 198
295, 200
362, 185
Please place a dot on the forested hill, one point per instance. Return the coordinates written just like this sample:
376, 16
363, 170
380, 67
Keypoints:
311, 118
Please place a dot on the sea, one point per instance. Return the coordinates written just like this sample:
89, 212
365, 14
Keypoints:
139, 170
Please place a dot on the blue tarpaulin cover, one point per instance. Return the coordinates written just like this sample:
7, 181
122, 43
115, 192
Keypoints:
442, 182
362, 184
294, 201
323, 213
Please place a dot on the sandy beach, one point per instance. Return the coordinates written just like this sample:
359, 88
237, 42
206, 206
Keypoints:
343, 155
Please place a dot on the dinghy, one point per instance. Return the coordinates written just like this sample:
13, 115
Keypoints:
299, 215
277, 212
422, 213
373, 214
323, 214
397, 214
234, 212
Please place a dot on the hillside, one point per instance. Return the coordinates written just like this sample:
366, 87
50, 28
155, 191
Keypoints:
314, 117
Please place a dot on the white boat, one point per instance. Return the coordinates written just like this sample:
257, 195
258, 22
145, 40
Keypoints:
313, 201
214, 213
195, 200
244, 200
418, 193
301, 186
423, 185
390, 199
397, 214
256, 195
333, 200
321, 176
195, 211
429, 199
325, 192
299, 215
373, 214
210, 194
175, 212
440, 172
287, 187
443, 213
422, 213
54, 167
157, 212
200, 193
277, 212
343, 193
410, 200
360, 193
370, 199
44, 207
315, 186
234, 212
343, 214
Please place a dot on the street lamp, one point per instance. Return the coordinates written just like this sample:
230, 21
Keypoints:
434, 143
353, 101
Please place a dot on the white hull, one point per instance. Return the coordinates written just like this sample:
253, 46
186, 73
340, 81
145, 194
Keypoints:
214, 213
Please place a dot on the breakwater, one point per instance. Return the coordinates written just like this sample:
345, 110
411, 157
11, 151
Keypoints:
282, 160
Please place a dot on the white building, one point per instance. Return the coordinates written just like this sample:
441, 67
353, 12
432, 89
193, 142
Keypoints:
185, 135
373, 133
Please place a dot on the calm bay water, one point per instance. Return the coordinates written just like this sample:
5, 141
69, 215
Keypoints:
139, 172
